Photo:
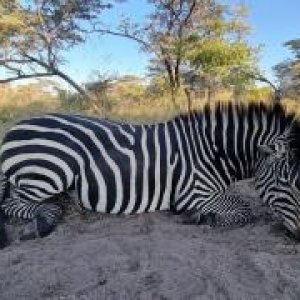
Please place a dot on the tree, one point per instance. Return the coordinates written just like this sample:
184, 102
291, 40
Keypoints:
219, 62
35, 34
164, 33
177, 29
288, 72
219, 54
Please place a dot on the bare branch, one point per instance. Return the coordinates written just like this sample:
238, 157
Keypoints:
55, 71
38, 61
11, 68
125, 35
25, 76
259, 77
191, 10
16, 61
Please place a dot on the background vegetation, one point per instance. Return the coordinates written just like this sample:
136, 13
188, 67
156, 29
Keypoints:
198, 52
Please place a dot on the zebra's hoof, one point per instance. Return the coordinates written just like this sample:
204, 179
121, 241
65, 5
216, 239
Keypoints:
198, 218
40, 227
209, 219
44, 223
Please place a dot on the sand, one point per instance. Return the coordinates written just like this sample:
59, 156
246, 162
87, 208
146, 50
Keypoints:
152, 256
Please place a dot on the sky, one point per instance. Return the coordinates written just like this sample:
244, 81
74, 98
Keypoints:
272, 22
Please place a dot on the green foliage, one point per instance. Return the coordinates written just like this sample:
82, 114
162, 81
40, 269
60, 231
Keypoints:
14, 26
216, 56
206, 50
218, 52
130, 92
259, 94
50, 22
157, 88
34, 36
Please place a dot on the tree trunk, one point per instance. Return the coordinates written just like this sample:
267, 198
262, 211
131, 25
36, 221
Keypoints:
209, 93
173, 97
189, 100
172, 82
277, 95
174, 92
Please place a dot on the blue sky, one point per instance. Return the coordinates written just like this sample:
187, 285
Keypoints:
272, 22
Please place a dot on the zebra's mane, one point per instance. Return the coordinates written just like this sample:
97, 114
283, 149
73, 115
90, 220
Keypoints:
287, 119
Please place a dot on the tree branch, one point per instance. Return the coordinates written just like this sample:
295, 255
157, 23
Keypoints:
259, 77
191, 10
25, 76
11, 68
15, 61
125, 35
57, 72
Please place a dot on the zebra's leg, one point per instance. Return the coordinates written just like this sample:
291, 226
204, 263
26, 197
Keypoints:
46, 218
43, 216
225, 211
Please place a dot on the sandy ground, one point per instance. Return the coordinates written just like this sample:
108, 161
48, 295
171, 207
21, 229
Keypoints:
152, 256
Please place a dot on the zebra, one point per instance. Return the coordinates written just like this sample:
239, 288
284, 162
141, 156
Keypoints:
277, 180
184, 165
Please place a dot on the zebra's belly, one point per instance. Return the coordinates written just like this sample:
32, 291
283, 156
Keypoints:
122, 204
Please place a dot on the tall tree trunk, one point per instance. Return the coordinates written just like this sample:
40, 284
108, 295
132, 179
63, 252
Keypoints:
172, 82
173, 96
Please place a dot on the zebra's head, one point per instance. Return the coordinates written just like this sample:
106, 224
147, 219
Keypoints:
277, 179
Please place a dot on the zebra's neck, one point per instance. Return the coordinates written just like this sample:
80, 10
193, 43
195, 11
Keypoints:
219, 146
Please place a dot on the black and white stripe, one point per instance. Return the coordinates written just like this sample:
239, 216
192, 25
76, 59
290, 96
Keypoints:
115, 168
184, 164
277, 181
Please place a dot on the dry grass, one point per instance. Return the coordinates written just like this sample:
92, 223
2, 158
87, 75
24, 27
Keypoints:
13, 106
23, 101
